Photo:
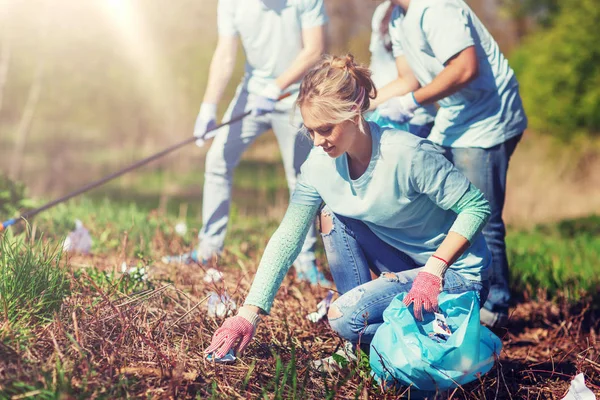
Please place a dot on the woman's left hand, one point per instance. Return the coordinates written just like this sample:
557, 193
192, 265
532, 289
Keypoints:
424, 294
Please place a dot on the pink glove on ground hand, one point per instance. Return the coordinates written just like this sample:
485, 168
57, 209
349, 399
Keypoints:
238, 329
427, 287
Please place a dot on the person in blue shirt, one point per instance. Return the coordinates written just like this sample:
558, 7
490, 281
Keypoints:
383, 69
444, 54
282, 40
394, 206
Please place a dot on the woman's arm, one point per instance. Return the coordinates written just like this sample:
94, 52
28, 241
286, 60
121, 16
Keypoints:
283, 248
473, 212
281, 251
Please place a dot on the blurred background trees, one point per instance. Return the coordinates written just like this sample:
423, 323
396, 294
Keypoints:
559, 70
88, 86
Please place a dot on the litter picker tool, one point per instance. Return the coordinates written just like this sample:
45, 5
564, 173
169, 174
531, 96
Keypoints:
209, 135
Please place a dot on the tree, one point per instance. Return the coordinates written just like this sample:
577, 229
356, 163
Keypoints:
559, 72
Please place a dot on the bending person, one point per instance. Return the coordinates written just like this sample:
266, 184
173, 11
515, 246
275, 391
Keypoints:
444, 54
281, 42
394, 205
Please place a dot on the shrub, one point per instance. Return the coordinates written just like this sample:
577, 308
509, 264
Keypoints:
559, 72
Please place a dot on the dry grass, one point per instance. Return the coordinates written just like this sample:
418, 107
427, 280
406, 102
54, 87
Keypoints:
149, 344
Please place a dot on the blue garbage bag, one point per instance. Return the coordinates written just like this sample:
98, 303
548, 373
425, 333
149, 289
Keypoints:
384, 122
404, 352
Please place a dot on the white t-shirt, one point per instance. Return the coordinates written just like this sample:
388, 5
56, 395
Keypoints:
487, 111
270, 32
383, 64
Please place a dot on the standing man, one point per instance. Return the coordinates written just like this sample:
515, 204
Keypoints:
444, 54
282, 40
383, 68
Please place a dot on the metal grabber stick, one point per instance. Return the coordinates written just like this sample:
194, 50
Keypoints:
208, 135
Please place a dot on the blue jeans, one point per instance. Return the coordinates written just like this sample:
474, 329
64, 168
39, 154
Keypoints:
353, 250
421, 131
223, 157
487, 170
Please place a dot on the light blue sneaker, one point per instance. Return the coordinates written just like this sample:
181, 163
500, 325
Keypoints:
310, 273
185, 258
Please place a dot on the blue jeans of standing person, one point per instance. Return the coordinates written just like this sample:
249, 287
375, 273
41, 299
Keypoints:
487, 170
224, 156
353, 250
421, 131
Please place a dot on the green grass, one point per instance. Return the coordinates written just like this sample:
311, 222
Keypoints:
556, 258
559, 258
33, 281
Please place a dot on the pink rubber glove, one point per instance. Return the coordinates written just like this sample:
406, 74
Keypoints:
236, 332
424, 294
426, 287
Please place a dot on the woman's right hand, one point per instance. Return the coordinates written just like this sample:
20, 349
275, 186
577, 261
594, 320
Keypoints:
235, 333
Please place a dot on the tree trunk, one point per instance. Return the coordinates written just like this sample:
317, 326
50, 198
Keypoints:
25, 123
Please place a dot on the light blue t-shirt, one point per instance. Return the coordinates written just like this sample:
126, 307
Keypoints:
270, 32
488, 111
383, 65
404, 196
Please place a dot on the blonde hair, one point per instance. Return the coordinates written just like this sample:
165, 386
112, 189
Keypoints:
337, 90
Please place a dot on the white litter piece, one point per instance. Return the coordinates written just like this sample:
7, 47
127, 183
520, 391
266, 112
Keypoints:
213, 275
140, 273
220, 306
226, 359
181, 228
322, 309
79, 240
578, 390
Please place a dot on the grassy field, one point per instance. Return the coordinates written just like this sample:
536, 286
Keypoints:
75, 326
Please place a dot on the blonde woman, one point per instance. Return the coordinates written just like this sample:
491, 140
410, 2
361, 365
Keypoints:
393, 205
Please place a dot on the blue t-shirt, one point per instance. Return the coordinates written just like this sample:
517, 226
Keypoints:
270, 32
404, 196
488, 111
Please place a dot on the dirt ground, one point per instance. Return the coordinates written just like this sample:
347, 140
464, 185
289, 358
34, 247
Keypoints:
150, 344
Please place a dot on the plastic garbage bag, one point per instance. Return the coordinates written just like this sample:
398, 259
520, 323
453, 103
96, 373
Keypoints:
322, 309
403, 351
578, 390
384, 122
79, 240
220, 306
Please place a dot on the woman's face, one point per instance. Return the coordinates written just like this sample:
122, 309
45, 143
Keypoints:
335, 139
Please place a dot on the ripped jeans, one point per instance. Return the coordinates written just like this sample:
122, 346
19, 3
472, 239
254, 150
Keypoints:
352, 251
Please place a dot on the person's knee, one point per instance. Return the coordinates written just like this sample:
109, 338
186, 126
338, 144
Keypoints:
342, 317
216, 166
325, 222
334, 313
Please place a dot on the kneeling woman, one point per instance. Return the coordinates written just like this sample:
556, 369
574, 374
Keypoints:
394, 205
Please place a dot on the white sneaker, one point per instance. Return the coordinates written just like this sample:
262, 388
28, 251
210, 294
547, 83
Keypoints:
338, 360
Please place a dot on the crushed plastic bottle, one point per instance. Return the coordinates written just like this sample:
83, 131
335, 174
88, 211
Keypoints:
322, 308
79, 240
220, 306
212, 275
578, 390
227, 358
